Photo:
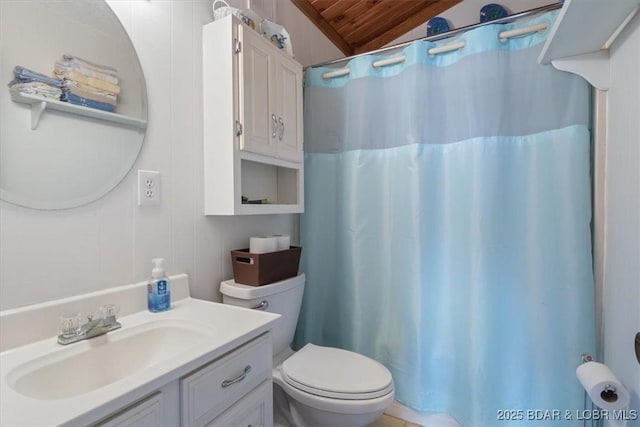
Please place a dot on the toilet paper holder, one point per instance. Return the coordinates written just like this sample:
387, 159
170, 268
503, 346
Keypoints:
586, 357
609, 393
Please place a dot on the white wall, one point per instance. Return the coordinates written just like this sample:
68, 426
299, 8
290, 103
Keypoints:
64, 146
47, 255
621, 300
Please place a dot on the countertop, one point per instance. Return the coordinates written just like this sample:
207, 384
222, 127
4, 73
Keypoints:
224, 326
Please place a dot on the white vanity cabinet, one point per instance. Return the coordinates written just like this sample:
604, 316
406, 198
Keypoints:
253, 137
233, 390
206, 393
200, 363
255, 410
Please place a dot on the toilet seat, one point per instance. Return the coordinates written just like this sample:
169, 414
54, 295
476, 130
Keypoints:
337, 374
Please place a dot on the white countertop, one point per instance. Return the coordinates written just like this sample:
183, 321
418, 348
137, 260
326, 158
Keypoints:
224, 326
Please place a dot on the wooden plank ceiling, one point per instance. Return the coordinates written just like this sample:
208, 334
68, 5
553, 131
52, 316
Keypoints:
358, 26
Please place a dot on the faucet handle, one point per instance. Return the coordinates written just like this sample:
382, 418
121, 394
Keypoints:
70, 323
109, 310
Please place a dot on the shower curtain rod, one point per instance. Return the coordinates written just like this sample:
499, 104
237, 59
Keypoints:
447, 34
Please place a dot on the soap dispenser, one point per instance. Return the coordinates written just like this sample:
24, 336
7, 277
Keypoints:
158, 293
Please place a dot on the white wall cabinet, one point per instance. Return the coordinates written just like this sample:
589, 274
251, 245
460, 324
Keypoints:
271, 99
235, 389
253, 136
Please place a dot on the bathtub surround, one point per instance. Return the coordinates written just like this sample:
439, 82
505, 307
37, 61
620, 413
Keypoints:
454, 208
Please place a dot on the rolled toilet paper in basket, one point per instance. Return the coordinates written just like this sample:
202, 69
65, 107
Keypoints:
605, 390
284, 241
263, 245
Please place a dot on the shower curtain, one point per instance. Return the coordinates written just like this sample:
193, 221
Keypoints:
446, 231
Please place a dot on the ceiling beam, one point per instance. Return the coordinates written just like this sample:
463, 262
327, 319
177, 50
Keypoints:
315, 17
413, 21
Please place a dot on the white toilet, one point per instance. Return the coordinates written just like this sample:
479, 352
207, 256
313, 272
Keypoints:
316, 386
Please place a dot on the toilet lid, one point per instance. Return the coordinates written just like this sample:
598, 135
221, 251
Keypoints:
336, 373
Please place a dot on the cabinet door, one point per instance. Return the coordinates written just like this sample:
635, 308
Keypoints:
253, 410
256, 71
289, 96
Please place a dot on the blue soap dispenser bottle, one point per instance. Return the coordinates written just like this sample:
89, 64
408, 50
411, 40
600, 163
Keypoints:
158, 293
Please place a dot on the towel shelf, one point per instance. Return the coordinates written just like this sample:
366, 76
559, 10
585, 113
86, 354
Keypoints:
40, 104
581, 36
584, 27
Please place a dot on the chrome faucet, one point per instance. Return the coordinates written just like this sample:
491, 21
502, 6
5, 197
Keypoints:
73, 330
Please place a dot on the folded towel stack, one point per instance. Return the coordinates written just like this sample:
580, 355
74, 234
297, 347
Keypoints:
29, 82
75, 80
88, 84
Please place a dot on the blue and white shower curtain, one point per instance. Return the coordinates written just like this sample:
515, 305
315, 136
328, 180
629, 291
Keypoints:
446, 230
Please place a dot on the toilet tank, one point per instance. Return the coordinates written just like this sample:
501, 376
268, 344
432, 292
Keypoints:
283, 297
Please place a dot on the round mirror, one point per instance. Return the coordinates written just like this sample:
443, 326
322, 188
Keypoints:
59, 154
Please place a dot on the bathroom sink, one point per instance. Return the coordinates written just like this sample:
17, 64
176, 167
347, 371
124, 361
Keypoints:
82, 383
86, 366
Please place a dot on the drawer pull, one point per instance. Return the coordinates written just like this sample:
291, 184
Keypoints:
243, 375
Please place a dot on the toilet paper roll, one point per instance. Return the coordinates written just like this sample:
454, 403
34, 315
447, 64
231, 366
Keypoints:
602, 386
263, 245
284, 241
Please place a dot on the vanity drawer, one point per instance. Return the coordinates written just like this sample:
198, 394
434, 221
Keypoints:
207, 392
146, 413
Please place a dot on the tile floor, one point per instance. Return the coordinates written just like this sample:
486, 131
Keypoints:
389, 421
